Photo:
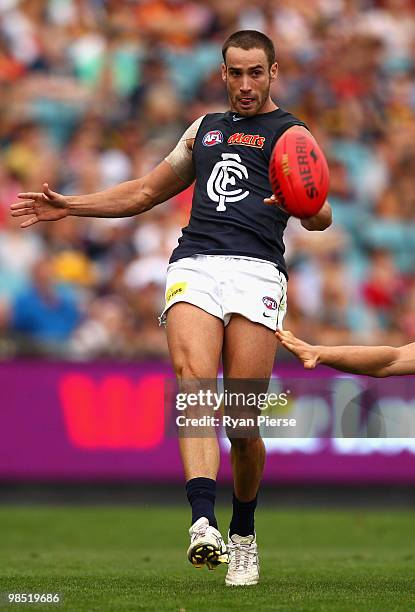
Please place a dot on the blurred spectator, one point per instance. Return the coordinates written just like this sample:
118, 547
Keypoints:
383, 286
105, 332
93, 93
18, 254
45, 313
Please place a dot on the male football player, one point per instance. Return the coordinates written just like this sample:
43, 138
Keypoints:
226, 282
378, 361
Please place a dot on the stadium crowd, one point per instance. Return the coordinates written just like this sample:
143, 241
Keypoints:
95, 92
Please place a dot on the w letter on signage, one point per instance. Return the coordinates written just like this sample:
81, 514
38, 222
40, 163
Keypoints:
114, 413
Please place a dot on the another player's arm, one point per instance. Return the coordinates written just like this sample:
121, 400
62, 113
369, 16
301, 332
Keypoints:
378, 361
170, 177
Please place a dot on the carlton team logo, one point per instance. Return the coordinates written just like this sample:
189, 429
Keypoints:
223, 176
213, 137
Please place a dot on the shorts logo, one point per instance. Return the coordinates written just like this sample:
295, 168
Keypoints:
224, 175
270, 303
212, 138
248, 140
175, 290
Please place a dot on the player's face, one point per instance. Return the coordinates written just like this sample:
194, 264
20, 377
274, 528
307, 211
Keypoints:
248, 80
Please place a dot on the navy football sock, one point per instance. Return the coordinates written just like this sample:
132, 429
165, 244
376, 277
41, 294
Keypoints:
201, 493
243, 517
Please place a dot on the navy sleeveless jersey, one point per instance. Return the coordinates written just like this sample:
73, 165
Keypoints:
231, 155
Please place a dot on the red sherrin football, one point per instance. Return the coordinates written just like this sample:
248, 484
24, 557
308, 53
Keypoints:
299, 174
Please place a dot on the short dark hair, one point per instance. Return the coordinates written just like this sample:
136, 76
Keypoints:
250, 39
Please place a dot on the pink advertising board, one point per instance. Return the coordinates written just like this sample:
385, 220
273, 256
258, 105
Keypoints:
108, 422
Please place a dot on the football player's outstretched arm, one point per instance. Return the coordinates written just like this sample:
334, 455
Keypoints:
378, 361
123, 200
170, 177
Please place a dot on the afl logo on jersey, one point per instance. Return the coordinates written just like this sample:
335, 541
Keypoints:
212, 138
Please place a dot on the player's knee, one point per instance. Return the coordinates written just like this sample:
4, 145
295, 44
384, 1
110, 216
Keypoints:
187, 367
187, 370
243, 445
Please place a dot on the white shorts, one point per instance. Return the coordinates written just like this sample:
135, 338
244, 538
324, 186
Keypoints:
224, 285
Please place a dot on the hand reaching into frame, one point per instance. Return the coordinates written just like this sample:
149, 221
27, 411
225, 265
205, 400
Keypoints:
307, 353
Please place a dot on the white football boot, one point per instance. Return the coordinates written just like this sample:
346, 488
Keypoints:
206, 545
243, 567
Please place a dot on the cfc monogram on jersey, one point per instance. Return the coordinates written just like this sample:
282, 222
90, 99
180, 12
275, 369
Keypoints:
231, 155
225, 173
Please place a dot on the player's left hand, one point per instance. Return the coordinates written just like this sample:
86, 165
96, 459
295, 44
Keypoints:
272, 201
308, 354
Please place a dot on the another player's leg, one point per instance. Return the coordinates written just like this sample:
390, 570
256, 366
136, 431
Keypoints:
248, 353
195, 341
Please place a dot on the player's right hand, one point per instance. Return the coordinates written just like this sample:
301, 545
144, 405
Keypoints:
308, 354
45, 206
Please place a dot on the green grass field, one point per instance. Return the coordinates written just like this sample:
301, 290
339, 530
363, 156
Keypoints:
122, 558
